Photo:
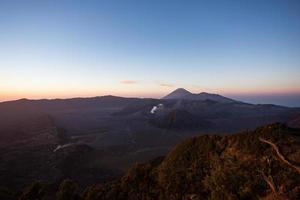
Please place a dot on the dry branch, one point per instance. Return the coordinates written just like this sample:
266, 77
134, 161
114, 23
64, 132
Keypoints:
270, 182
282, 158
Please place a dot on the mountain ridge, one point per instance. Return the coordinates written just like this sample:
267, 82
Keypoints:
182, 93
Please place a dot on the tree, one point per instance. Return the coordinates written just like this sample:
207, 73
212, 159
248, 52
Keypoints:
35, 191
68, 190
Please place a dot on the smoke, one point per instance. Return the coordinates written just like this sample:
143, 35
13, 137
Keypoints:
63, 146
157, 108
153, 109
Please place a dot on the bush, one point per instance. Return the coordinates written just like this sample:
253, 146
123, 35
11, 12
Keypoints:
34, 191
68, 190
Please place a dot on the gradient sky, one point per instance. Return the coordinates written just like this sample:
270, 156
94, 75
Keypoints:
244, 49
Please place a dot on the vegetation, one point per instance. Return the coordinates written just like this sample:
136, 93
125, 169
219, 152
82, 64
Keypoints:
68, 190
261, 164
237, 166
35, 191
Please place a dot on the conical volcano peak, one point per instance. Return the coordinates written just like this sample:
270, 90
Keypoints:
181, 90
178, 94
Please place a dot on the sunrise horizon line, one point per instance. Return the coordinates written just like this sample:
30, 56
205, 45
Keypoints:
148, 95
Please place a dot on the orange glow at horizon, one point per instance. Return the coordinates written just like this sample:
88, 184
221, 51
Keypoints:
143, 92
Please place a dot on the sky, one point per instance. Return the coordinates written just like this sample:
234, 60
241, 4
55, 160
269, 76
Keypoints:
244, 49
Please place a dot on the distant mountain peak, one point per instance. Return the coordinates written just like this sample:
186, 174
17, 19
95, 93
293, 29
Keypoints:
181, 90
178, 94
182, 93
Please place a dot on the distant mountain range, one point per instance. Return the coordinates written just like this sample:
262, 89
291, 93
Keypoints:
97, 139
182, 93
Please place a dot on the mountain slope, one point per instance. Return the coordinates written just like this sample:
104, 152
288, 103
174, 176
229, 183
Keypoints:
179, 120
238, 166
29, 151
181, 93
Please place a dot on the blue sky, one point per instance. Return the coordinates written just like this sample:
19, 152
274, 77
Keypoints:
244, 49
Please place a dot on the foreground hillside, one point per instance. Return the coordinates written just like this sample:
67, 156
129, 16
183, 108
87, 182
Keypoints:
259, 164
239, 166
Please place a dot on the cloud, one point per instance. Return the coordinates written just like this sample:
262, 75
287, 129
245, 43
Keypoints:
165, 85
128, 82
